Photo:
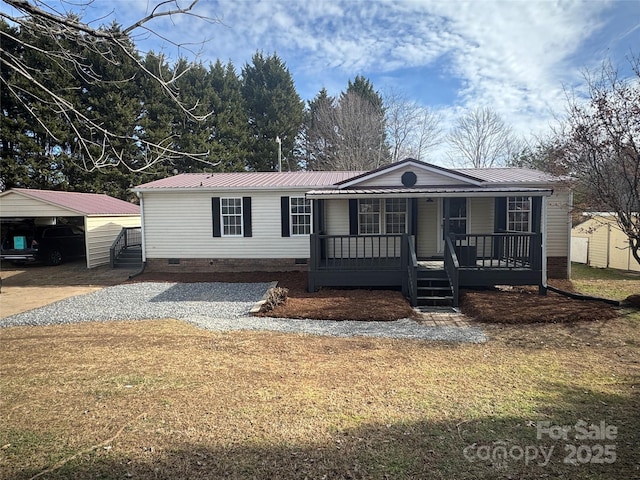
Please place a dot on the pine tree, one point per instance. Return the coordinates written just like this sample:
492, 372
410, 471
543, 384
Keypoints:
230, 139
274, 109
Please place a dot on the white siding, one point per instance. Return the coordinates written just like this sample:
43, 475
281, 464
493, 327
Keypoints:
480, 215
394, 178
428, 228
15, 205
180, 225
101, 232
336, 217
558, 223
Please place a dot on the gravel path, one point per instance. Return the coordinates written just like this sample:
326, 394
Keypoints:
217, 307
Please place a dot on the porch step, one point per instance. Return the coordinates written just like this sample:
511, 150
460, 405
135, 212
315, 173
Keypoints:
130, 257
434, 289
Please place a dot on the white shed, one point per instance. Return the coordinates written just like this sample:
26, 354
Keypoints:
102, 216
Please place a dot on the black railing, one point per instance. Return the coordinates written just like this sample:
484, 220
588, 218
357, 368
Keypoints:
128, 237
352, 252
499, 251
452, 267
412, 270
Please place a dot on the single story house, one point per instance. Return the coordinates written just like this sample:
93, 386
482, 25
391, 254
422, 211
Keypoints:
600, 242
423, 228
102, 217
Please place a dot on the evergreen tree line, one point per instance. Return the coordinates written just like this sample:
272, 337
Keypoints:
221, 120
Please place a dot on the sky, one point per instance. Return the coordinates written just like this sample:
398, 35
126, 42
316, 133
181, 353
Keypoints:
517, 57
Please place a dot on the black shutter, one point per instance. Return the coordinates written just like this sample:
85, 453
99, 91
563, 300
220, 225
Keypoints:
500, 214
284, 216
318, 216
353, 216
536, 214
246, 215
215, 215
414, 216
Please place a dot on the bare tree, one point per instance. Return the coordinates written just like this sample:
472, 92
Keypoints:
481, 139
412, 130
347, 134
97, 144
603, 146
429, 134
359, 127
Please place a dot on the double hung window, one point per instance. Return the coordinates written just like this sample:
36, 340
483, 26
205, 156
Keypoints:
376, 216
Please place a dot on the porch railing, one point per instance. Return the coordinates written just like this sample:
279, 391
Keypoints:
352, 252
498, 251
412, 270
128, 237
452, 267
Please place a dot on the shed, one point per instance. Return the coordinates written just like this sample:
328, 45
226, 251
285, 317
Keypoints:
606, 245
102, 216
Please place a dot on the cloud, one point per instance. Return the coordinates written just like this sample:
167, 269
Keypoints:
515, 56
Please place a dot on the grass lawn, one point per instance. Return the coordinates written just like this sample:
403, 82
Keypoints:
162, 399
604, 282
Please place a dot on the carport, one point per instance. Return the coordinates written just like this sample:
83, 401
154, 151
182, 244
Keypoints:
103, 217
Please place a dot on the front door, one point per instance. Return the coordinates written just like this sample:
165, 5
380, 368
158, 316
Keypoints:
458, 208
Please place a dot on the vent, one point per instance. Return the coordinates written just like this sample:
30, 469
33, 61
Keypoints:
409, 179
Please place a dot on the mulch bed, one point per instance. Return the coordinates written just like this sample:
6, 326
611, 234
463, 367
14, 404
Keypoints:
512, 306
524, 305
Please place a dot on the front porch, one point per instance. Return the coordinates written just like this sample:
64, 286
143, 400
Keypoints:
469, 260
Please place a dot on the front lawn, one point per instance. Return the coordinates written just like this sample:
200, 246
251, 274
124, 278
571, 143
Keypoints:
604, 282
162, 399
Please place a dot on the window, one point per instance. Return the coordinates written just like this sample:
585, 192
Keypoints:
300, 216
395, 215
369, 216
519, 214
231, 215
457, 216
376, 216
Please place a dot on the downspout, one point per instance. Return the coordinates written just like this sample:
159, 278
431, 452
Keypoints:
144, 255
569, 228
608, 244
86, 242
543, 235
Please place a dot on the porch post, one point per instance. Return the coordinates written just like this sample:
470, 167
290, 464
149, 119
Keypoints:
313, 253
318, 216
543, 246
538, 213
412, 220
446, 210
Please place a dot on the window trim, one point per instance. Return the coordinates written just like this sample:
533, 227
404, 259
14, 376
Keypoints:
291, 216
223, 215
529, 213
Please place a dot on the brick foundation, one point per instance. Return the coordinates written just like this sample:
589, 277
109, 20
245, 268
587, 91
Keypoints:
557, 267
206, 265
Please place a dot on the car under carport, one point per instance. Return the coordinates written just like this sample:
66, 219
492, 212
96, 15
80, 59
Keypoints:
102, 217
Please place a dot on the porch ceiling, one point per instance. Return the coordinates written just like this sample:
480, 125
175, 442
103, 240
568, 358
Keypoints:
432, 192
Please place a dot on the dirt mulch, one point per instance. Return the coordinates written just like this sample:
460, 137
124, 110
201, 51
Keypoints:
327, 304
524, 305
515, 305
333, 304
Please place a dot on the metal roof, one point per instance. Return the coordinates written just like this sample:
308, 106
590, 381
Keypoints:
435, 192
80, 203
343, 179
249, 180
509, 175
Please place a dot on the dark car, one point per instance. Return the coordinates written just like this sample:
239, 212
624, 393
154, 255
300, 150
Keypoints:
51, 244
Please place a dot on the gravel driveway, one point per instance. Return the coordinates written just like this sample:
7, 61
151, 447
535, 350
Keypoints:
218, 307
